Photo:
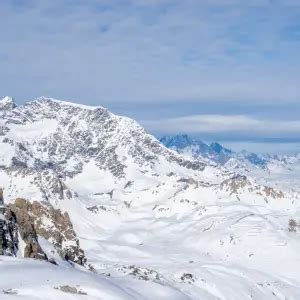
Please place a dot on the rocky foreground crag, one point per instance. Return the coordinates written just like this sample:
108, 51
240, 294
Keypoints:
22, 223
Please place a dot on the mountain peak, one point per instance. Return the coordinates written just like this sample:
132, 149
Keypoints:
49, 100
86, 134
218, 148
7, 103
179, 141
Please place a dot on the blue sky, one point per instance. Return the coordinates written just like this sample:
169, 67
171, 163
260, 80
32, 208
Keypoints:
221, 69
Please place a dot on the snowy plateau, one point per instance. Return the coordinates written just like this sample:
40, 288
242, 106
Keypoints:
93, 207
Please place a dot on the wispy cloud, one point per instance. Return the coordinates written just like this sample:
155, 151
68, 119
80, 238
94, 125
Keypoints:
150, 50
235, 63
231, 125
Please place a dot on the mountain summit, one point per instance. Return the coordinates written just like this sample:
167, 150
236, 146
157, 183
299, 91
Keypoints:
7, 103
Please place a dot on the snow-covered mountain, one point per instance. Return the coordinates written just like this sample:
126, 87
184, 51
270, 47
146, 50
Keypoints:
279, 171
196, 149
82, 185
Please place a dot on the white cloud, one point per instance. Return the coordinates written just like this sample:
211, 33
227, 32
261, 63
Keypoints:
153, 50
232, 125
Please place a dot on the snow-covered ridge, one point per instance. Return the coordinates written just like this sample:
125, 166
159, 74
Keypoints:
7, 103
67, 103
72, 131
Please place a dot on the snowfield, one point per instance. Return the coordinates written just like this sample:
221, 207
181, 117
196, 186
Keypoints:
31, 279
152, 224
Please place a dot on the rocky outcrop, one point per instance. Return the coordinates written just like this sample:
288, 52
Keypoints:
293, 225
28, 221
37, 219
236, 183
271, 192
8, 236
1, 197
21, 223
240, 182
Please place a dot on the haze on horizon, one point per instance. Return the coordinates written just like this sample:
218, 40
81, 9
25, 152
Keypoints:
225, 70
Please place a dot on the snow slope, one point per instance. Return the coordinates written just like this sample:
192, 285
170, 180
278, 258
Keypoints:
40, 280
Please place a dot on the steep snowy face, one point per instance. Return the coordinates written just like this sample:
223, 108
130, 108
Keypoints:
49, 134
6, 104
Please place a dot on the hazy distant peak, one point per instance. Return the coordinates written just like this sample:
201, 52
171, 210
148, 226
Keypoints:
7, 103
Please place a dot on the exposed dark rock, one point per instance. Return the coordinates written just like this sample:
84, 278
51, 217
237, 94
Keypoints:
70, 290
187, 278
20, 221
141, 273
8, 234
30, 217
240, 182
10, 292
293, 225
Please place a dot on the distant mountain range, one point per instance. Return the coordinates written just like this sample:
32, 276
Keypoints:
197, 149
279, 170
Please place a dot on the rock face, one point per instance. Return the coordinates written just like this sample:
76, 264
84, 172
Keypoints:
1, 197
22, 224
29, 219
238, 183
8, 236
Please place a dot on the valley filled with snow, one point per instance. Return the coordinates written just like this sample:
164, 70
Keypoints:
115, 214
